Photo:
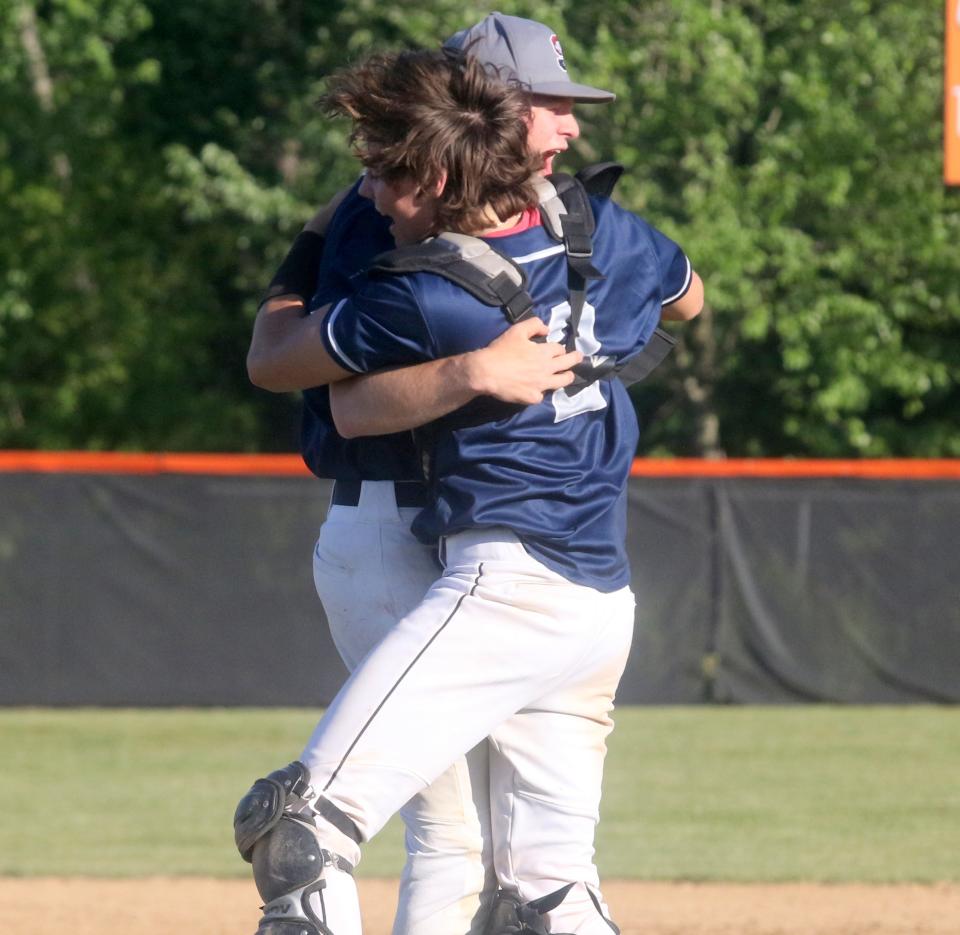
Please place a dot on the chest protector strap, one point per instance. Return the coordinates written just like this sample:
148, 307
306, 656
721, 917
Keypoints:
469, 262
568, 216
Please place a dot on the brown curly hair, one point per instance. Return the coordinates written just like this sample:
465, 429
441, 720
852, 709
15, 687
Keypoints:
423, 115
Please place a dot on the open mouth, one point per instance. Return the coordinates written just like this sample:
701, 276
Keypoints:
549, 156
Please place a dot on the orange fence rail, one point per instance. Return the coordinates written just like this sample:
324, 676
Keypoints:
951, 95
121, 462
876, 468
128, 462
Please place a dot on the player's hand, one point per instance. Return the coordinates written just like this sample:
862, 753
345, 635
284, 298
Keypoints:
321, 220
516, 368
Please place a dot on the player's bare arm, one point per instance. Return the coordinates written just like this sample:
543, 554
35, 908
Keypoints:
513, 368
286, 350
689, 305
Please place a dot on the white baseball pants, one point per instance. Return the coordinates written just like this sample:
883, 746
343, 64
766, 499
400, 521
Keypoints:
369, 572
500, 647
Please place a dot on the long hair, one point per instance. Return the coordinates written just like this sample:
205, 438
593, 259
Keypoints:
423, 115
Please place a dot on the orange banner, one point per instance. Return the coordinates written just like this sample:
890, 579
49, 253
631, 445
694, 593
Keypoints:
951, 97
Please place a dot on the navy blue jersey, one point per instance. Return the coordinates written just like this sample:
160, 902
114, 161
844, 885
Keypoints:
555, 473
356, 234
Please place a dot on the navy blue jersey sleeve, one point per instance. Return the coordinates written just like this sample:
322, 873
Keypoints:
674, 271
643, 270
356, 234
675, 268
379, 326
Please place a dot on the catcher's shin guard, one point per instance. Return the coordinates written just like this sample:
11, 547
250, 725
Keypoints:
510, 916
307, 889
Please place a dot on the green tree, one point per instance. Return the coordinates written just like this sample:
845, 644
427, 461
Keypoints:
121, 306
795, 150
156, 159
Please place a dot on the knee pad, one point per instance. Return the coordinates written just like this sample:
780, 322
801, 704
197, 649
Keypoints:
289, 927
286, 927
303, 885
510, 916
284, 791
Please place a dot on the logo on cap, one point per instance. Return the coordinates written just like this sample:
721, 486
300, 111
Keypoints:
558, 51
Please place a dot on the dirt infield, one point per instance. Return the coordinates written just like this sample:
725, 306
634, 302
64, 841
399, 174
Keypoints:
228, 907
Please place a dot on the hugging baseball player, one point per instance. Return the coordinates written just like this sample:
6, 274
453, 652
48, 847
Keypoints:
369, 569
524, 637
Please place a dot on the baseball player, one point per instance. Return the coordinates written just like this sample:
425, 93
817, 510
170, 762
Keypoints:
369, 569
524, 637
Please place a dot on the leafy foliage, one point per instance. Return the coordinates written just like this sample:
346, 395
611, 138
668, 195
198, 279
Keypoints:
156, 159
795, 151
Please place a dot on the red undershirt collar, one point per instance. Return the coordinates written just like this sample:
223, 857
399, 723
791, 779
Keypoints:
529, 218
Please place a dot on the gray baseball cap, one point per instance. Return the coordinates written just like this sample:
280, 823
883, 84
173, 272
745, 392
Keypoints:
526, 52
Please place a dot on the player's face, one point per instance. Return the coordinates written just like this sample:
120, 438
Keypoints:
551, 128
405, 203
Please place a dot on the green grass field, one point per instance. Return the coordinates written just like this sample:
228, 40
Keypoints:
745, 794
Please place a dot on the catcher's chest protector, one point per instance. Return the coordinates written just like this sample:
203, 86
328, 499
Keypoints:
496, 280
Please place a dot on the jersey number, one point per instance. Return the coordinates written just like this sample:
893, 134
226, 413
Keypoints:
590, 398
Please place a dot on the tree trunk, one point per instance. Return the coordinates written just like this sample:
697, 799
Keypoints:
40, 77
699, 384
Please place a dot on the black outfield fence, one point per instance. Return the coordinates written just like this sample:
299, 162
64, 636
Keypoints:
186, 580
